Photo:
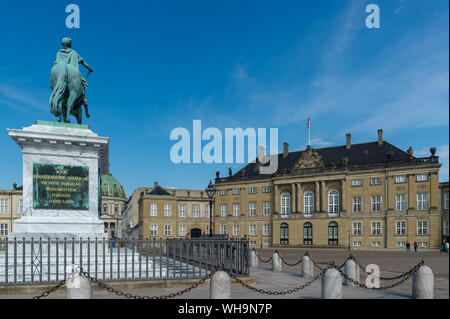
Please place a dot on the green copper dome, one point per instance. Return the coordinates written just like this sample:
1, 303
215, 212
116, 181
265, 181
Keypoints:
112, 187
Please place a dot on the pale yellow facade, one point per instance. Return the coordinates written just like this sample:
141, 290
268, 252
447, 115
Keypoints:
11, 206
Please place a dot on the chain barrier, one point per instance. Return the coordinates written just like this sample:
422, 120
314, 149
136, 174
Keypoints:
289, 264
276, 293
262, 260
406, 276
380, 277
49, 291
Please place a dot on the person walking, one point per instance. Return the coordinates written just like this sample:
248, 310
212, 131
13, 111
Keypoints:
408, 247
415, 246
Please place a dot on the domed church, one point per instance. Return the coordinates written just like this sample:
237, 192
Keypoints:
113, 203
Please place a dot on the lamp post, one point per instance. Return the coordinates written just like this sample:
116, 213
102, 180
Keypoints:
211, 191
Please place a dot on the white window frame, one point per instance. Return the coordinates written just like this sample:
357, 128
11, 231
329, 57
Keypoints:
400, 179
236, 209
252, 190
167, 230
401, 228
357, 182
21, 205
4, 229
195, 210
422, 201
223, 192
252, 230
266, 229
375, 203
445, 227
358, 230
308, 203
266, 208
153, 209
357, 204
236, 191
223, 229
153, 230
223, 210
236, 230
167, 209
400, 202
375, 231
182, 230
333, 202
285, 204
182, 210
423, 228
421, 177
446, 200
252, 209
375, 181
4, 205
267, 189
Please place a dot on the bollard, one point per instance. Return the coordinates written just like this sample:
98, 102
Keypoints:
253, 259
332, 284
307, 267
423, 283
276, 262
352, 271
220, 286
78, 286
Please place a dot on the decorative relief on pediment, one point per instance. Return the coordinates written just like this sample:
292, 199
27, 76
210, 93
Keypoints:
309, 159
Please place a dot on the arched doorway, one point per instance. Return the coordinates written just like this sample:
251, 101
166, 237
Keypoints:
333, 233
284, 234
196, 232
307, 234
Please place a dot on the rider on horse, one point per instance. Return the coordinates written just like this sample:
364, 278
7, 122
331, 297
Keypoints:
70, 56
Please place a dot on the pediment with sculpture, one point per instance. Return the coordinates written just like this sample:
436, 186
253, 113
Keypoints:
310, 158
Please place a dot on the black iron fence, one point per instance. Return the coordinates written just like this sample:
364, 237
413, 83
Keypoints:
44, 260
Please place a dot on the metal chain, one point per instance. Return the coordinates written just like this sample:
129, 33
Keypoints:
284, 292
380, 277
130, 296
264, 261
408, 275
49, 291
285, 262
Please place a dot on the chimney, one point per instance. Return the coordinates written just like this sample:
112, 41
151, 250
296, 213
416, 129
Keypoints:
156, 184
285, 149
349, 141
380, 137
14, 186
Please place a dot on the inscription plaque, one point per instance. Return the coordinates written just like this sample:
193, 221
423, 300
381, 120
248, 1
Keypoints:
60, 186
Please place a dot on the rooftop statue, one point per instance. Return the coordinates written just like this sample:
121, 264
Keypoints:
67, 84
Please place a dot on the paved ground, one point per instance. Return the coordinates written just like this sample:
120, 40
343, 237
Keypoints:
391, 263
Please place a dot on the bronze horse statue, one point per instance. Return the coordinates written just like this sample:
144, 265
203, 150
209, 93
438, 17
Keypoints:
67, 84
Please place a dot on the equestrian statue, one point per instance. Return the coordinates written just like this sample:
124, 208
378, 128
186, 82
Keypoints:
67, 84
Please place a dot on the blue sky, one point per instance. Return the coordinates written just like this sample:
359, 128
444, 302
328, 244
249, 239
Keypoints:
159, 65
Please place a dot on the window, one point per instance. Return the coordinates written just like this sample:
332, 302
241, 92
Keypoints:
3, 205
167, 230
357, 229
223, 210
167, 209
21, 206
284, 234
223, 192
400, 179
252, 190
422, 227
356, 204
252, 230
445, 227
236, 209
400, 244
236, 230
375, 203
307, 234
236, 191
357, 182
446, 200
423, 244
376, 229
266, 243
153, 209
309, 203
333, 202
207, 210
422, 201
421, 177
253, 242
252, 209
267, 189
207, 229
357, 243
400, 202
285, 205
105, 209
195, 210
223, 229
266, 208
182, 210
333, 233
266, 230
400, 228
376, 243
116, 209
3, 229
375, 181
182, 230
153, 230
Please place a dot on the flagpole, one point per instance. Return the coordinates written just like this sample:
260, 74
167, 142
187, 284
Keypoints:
309, 131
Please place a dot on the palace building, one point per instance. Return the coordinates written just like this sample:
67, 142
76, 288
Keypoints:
158, 212
357, 196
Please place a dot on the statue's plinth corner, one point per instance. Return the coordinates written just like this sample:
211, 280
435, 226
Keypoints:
61, 124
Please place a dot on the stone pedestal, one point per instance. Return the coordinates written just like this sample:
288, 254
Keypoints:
62, 165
